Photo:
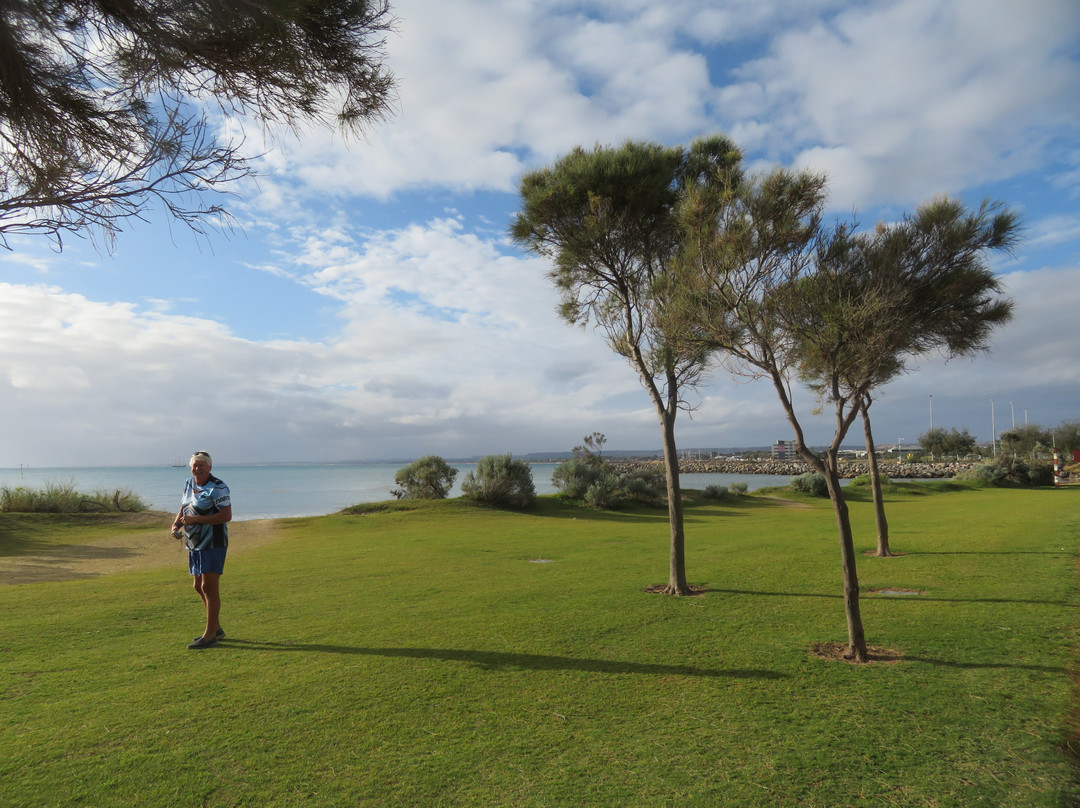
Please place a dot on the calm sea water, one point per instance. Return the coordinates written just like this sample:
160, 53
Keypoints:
264, 492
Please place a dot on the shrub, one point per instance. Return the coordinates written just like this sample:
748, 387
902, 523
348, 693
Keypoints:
430, 477
739, 488
574, 476
810, 483
500, 480
1041, 474
64, 498
1008, 470
604, 493
599, 486
864, 480
643, 485
985, 473
717, 492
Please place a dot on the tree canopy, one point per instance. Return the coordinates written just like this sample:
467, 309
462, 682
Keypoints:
98, 99
763, 283
607, 220
951, 442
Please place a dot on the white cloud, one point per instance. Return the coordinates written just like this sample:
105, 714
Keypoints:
445, 338
917, 97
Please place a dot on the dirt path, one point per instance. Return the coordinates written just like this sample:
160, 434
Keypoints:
124, 551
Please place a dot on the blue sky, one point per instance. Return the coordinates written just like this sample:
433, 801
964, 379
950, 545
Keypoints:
370, 305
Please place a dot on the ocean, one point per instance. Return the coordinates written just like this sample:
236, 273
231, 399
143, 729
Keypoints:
276, 491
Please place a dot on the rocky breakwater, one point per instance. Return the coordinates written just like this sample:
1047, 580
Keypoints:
848, 468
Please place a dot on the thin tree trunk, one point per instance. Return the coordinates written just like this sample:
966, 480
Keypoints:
857, 649
875, 488
677, 584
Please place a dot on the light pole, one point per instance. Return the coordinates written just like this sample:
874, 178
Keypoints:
1013, 410
931, 436
993, 427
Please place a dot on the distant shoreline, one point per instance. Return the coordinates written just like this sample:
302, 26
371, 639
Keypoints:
793, 468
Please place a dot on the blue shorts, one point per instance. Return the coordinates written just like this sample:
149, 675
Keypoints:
203, 561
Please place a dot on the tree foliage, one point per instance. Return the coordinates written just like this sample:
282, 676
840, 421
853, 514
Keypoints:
765, 284
430, 477
500, 480
606, 218
940, 442
97, 99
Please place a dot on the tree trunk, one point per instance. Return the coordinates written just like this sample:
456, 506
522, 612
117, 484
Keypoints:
857, 650
677, 584
875, 488
829, 469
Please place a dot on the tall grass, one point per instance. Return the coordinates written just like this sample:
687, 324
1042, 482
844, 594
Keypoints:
427, 657
64, 498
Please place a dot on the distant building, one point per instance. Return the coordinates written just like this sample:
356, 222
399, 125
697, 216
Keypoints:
781, 450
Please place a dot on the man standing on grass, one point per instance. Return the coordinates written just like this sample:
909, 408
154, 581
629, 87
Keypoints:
201, 524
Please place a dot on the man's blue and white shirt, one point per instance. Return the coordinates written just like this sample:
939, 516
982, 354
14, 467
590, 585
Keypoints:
203, 500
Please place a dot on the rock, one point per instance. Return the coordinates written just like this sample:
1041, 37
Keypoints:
787, 468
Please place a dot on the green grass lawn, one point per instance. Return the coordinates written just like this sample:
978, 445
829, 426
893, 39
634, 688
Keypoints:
423, 658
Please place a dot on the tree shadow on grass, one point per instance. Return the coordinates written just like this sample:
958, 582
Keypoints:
908, 599
493, 661
1057, 670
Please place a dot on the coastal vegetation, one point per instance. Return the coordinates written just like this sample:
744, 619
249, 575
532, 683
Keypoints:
430, 477
600, 484
500, 480
449, 654
65, 498
606, 219
107, 108
684, 262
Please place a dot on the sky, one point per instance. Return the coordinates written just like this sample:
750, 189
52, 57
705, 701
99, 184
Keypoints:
370, 306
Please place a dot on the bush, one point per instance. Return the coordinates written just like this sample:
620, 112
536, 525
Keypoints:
604, 493
64, 498
430, 477
599, 486
810, 483
985, 473
1041, 474
717, 492
574, 476
739, 488
644, 485
1009, 471
500, 480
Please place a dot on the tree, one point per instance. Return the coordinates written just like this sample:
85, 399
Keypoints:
947, 444
932, 267
766, 285
430, 477
932, 441
593, 448
1066, 437
1029, 439
97, 99
606, 219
